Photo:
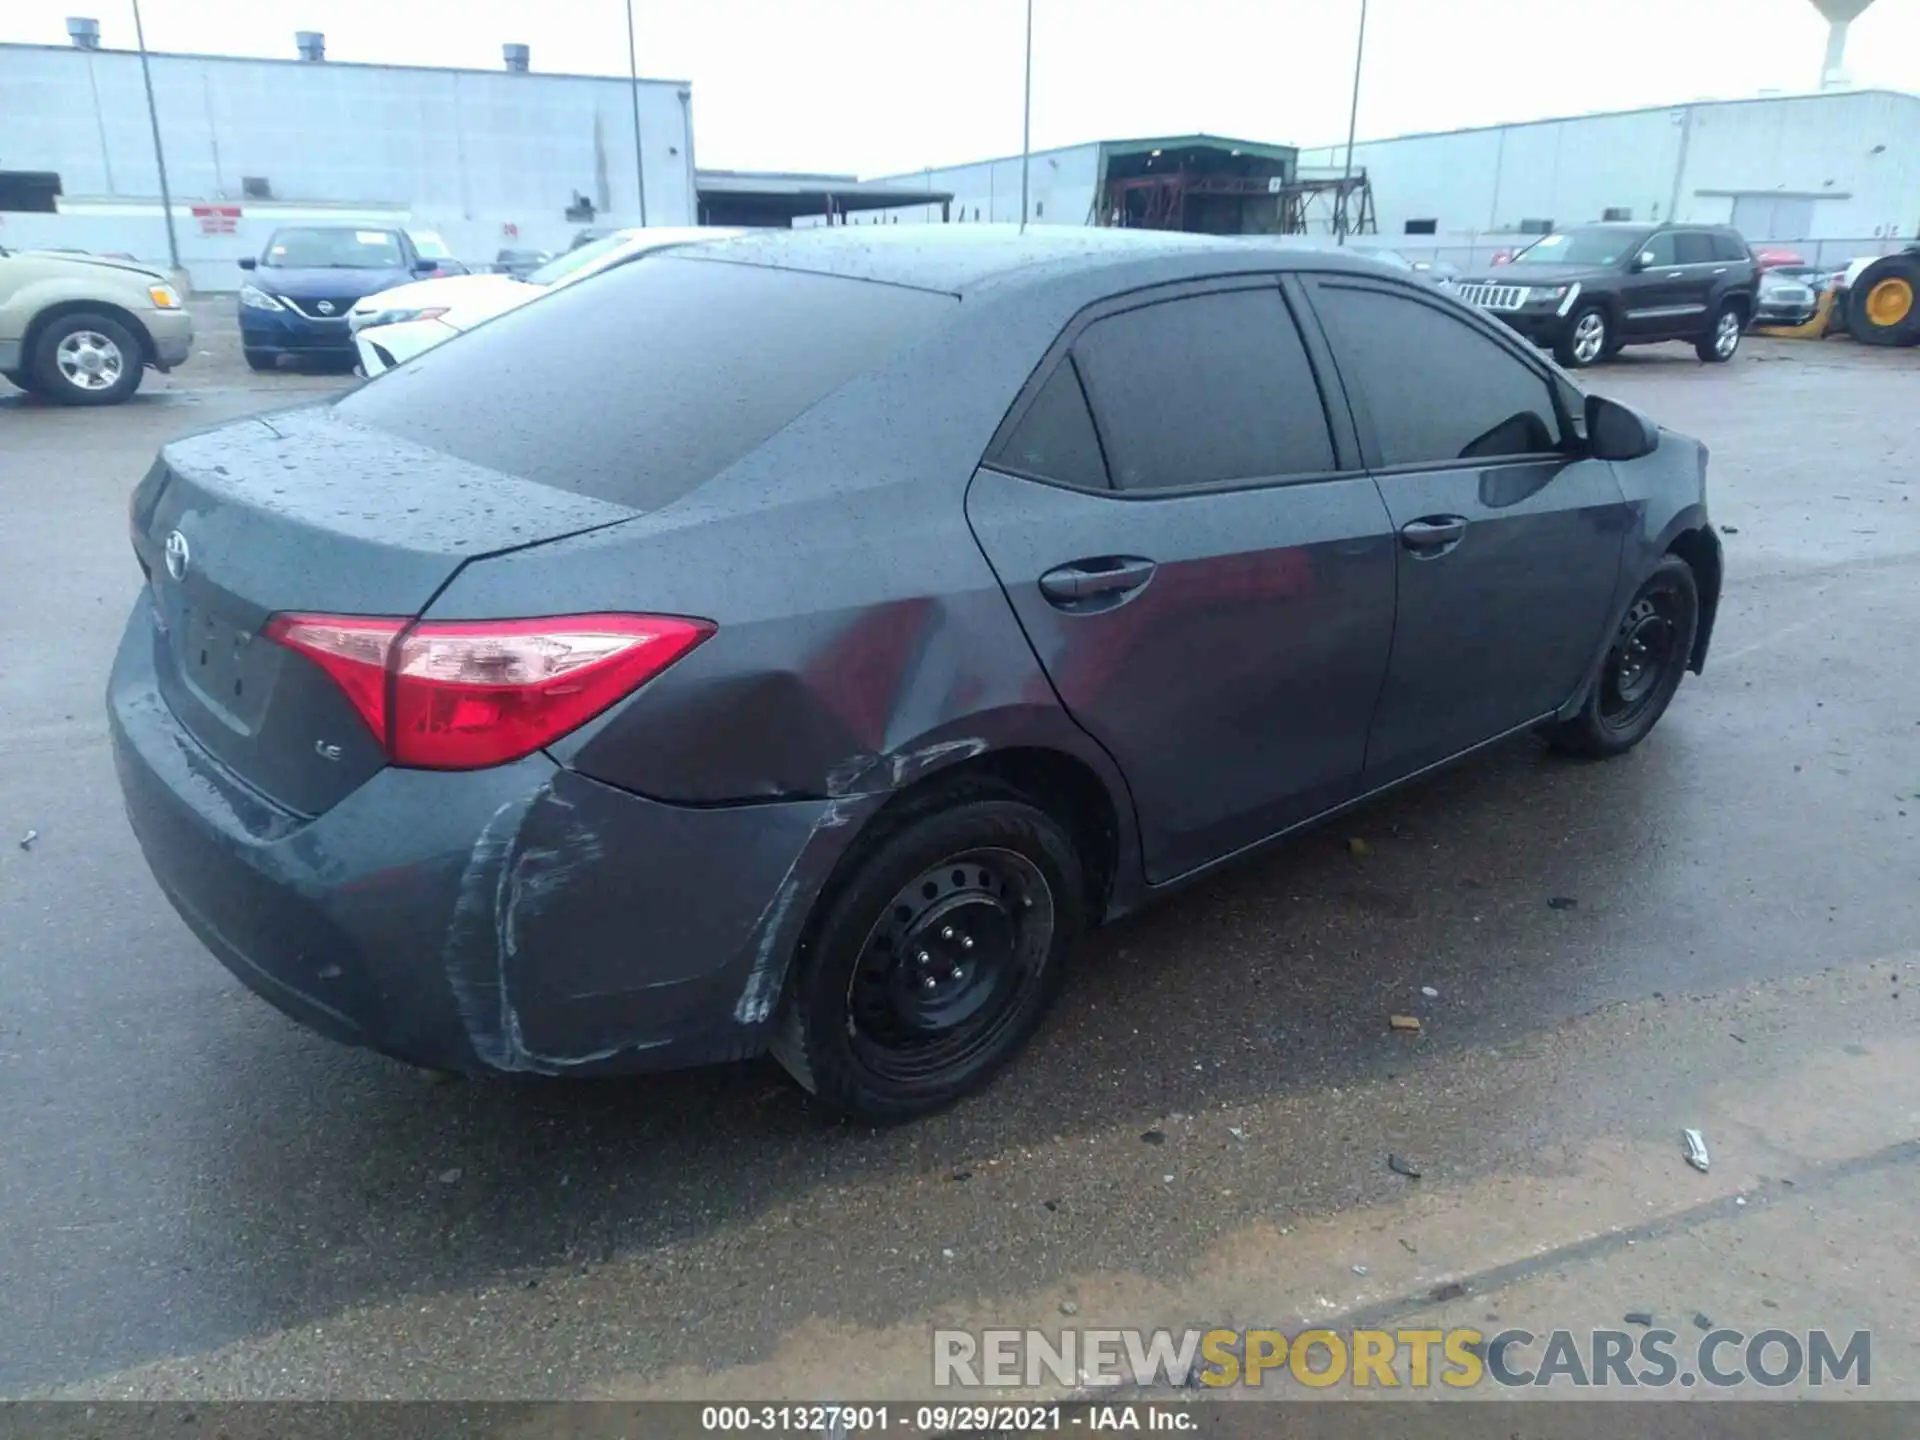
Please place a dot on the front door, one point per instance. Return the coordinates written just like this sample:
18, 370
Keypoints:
1508, 542
1658, 298
1207, 585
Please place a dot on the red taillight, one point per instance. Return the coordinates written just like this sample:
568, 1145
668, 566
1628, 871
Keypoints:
465, 694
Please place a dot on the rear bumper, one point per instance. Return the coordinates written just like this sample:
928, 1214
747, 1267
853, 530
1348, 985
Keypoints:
523, 918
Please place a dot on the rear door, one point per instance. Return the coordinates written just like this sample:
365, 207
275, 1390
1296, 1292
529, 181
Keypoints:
1509, 542
1199, 560
1703, 273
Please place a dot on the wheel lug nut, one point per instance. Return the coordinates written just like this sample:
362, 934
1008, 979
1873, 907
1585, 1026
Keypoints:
946, 932
929, 982
966, 942
954, 974
925, 958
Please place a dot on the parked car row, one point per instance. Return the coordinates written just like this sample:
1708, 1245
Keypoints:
796, 642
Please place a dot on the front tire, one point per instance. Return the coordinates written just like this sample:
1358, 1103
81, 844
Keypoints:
86, 359
1641, 670
934, 958
1587, 341
1722, 339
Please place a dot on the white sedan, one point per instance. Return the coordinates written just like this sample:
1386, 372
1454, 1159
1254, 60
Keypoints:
400, 323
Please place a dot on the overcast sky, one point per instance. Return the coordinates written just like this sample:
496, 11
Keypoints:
885, 86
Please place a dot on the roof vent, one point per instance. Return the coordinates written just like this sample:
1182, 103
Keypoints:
313, 45
516, 57
84, 30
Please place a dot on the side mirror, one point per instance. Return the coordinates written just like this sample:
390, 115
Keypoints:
1618, 432
425, 267
1642, 261
247, 262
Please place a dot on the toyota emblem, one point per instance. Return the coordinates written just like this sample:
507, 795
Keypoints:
177, 555
325, 307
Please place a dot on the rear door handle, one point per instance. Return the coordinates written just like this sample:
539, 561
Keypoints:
1432, 534
1103, 576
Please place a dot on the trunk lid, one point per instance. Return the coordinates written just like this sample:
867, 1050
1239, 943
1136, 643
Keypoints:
304, 511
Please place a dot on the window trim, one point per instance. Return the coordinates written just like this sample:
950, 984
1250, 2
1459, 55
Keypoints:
1348, 459
1363, 423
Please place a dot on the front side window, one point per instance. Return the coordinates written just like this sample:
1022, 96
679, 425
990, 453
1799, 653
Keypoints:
1204, 389
1658, 251
1436, 389
333, 248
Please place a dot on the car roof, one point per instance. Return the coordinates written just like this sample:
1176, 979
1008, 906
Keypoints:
957, 258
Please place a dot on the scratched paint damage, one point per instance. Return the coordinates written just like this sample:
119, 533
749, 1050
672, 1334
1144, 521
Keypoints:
507, 880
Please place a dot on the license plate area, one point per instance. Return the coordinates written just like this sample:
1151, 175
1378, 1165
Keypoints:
224, 665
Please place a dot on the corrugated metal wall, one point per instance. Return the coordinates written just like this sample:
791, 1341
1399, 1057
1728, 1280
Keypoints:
1857, 151
1060, 189
464, 152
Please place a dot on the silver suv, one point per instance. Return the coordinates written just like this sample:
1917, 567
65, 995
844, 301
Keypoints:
80, 330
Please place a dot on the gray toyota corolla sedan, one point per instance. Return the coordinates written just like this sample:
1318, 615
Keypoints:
796, 645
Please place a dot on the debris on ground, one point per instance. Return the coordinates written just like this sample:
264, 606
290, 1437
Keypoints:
960, 1177
1563, 902
1701, 1321
1404, 1022
1357, 846
1429, 992
1236, 1132
1639, 1317
1052, 1205
1451, 1290
946, 1253
1696, 1150
1359, 1269
26, 840
449, 1177
1729, 529
1067, 1307
1403, 1167
1408, 1246
1154, 1137
1167, 1178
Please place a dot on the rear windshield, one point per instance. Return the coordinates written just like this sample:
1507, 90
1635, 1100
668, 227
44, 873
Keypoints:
648, 381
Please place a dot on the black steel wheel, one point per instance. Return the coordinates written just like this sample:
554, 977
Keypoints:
934, 958
1648, 655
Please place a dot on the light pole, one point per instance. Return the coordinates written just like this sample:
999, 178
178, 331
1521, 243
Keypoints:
1026, 121
1353, 120
633, 77
159, 155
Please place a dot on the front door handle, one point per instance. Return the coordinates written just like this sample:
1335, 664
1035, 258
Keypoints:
1433, 534
1106, 575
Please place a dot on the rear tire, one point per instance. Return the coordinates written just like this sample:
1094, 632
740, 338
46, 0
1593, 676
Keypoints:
1722, 338
1587, 340
1642, 668
87, 359
934, 958
262, 360
1883, 307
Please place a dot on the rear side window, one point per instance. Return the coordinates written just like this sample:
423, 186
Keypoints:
642, 383
1204, 389
1693, 247
1055, 439
1435, 388
1728, 247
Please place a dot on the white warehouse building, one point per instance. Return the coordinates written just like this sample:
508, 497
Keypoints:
508, 158
1835, 174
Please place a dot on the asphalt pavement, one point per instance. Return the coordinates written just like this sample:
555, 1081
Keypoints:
1722, 929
